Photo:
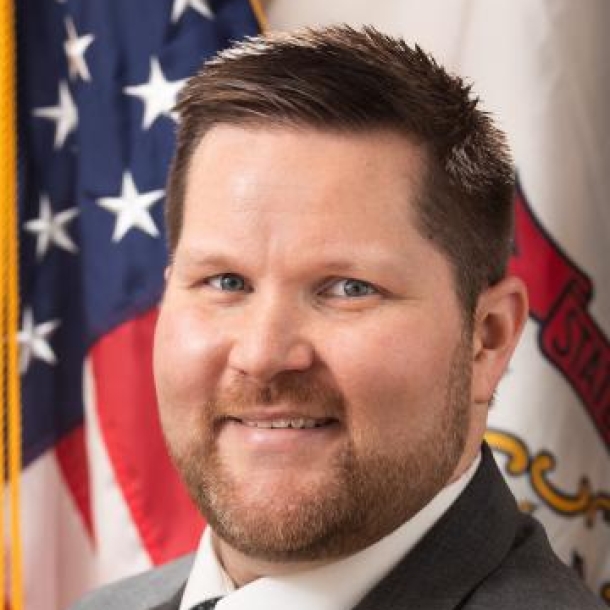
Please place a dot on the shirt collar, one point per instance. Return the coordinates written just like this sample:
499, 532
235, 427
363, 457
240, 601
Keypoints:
336, 586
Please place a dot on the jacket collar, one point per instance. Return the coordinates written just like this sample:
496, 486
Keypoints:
174, 602
460, 551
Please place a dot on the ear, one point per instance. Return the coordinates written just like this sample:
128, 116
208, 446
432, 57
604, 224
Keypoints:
500, 317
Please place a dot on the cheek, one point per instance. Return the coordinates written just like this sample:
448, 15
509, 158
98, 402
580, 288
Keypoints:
188, 357
394, 378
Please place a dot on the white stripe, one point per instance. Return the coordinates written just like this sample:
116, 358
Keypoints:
59, 560
120, 550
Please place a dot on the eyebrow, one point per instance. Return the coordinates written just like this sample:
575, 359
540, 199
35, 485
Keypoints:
371, 261
193, 258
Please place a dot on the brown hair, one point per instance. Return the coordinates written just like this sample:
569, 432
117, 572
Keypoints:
343, 79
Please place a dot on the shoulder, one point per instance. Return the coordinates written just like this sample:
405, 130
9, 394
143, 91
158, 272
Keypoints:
532, 577
141, 592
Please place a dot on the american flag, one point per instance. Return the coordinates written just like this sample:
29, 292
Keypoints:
97, 81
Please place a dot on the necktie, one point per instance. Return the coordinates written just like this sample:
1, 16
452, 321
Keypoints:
208, 604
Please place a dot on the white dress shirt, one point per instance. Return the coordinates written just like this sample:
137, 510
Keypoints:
336, 586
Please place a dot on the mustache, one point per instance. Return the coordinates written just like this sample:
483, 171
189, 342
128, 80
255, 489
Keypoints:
305, 393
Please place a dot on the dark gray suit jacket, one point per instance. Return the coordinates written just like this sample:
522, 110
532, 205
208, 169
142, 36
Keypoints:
483, 554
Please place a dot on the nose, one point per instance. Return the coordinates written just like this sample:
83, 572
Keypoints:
271, 339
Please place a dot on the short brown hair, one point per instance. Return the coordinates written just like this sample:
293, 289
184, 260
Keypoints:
343, 79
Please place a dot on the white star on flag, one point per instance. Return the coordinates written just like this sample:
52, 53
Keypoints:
64, 115
158, 94
132, 209
201, 6
75, 48
51, 229
33, 339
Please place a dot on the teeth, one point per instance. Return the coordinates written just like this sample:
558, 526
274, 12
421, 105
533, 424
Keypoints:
301, 423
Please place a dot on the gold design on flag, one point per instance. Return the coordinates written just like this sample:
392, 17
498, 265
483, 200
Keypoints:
583, 502
605, 592
525, 506
511, 446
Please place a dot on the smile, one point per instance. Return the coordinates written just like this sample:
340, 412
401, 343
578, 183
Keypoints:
299, 423
271, 436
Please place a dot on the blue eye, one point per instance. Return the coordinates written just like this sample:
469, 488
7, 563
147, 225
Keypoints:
351, 288
227, 282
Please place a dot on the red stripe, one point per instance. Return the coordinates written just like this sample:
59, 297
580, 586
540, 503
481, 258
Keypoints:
71, 452
166, 519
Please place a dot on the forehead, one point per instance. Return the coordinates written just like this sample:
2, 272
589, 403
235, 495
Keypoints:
267, 171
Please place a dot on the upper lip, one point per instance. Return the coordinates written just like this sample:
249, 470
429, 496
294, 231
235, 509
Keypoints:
271, 414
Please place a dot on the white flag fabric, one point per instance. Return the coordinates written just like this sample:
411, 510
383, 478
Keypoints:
542, 68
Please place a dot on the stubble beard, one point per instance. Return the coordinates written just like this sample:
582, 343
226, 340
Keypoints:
364, 496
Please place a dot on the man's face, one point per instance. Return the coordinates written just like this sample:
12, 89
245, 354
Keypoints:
312, 367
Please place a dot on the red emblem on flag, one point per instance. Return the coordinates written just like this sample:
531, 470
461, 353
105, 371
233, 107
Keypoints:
560, 293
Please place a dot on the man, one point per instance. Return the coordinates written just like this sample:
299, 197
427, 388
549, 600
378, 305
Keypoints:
336, 319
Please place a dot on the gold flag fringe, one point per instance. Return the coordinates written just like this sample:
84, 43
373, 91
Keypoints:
11, 575
259, 13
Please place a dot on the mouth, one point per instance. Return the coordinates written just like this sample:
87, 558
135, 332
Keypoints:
283, 423
263, 438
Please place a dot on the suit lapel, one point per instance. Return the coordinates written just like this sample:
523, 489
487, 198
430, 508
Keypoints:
174, 602
468, 543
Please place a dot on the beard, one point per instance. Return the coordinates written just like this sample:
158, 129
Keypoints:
364, 495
